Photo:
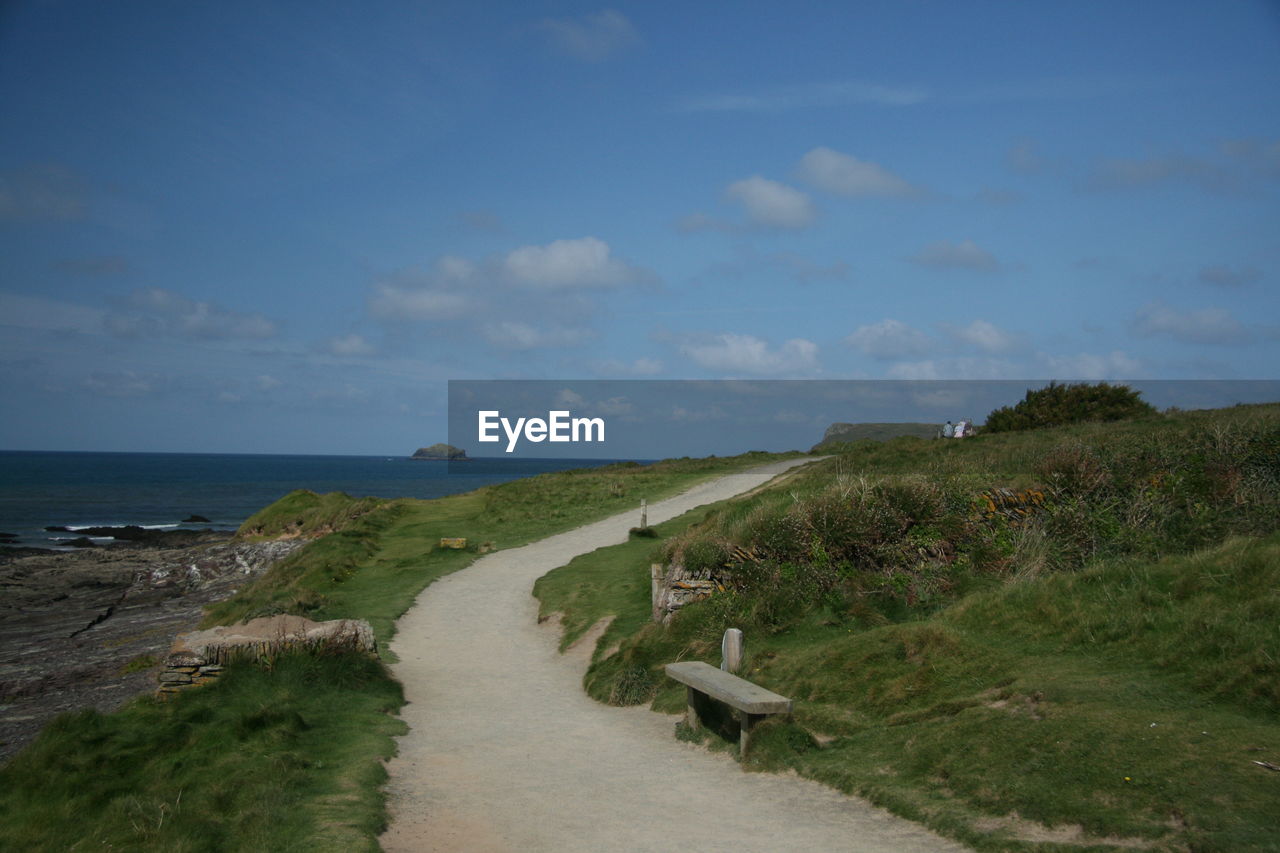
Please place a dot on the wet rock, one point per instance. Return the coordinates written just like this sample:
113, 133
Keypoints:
72, 622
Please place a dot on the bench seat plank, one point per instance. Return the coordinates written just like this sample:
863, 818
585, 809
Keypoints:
728, 688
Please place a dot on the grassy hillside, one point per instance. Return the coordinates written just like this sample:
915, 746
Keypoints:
1050, 640
287, 754
840, 433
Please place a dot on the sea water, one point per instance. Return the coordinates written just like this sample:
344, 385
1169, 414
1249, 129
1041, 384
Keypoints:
158, 490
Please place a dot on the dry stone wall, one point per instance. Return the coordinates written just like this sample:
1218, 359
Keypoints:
200, 656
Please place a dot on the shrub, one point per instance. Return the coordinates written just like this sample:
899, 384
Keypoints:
1056, 405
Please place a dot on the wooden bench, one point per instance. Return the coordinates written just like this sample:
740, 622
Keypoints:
751, 702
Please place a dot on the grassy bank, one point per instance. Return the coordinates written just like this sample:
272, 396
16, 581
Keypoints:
280, 757
288, 754
1088, 659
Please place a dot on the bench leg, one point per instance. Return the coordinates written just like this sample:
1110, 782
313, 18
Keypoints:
745, 722
691, 711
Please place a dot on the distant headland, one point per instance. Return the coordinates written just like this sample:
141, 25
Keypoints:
840, 433
441, 451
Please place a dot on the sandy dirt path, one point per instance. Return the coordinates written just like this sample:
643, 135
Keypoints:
507, 753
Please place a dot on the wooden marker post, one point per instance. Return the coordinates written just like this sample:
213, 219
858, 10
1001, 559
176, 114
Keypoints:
644, 513
731, 651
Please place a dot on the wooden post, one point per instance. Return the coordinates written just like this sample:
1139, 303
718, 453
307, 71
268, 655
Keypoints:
657, 578
731, 651
644, 513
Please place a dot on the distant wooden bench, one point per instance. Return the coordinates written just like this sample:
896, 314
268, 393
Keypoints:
751, 702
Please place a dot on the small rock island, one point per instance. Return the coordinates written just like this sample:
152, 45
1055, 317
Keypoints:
441, 451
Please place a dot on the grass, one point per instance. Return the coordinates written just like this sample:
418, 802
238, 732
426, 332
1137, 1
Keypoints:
288, 755
1102, 672
375, 564
591, 588
280, 758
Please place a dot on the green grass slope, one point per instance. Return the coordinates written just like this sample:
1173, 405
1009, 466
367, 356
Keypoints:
1091, 664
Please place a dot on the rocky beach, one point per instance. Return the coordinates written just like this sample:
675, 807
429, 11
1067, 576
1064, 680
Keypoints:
88, 628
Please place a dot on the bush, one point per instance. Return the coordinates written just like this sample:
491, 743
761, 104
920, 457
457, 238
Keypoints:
1056, 405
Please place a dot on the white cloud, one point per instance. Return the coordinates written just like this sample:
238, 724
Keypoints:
156, 311
1023, 157
344, 396
532, 297
266, 382
516, 335
1205, 326
954, 368
569, 397
1227, 277
963, 255
808, 95
122, 383
398, 302
772, 204
591, 38
612, 407
889, 339
584, 262
442, 293
639, 367
482, 220
34, 312
844, 175
1093, 366
1134, 173
746, 354
454, 269
1258, 156
349, 345
1235, 166
984, 336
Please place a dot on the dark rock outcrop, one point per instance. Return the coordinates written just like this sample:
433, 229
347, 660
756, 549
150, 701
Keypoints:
440, 451
146, 537
87, 629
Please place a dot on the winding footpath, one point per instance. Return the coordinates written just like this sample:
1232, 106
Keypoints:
507, 753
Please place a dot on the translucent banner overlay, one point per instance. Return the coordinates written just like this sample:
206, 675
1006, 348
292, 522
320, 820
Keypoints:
645, 420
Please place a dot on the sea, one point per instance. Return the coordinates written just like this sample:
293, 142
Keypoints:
75, 490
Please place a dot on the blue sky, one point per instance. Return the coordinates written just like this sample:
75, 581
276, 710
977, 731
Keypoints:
281, 227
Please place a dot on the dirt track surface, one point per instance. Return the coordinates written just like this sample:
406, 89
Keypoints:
507, 753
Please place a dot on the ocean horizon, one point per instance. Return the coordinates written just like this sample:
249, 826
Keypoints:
78, 489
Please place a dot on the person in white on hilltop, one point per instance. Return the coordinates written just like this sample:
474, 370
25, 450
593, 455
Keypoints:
948, 430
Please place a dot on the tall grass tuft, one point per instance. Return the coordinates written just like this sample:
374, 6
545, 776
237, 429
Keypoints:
250, 762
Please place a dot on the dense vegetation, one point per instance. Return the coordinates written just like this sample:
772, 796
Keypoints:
1062, 635
1057, 405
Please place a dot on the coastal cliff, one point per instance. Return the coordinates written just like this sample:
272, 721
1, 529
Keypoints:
840, 433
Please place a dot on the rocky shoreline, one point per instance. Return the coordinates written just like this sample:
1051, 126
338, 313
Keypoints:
89, 628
